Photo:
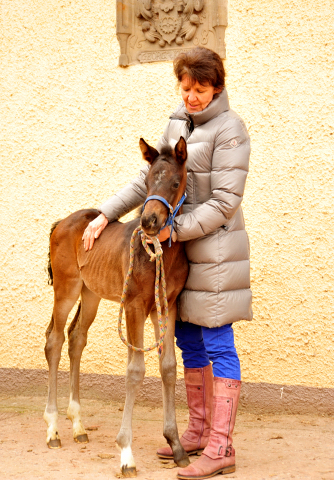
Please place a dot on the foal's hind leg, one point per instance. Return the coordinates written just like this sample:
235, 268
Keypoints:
135, 319
65, 297
168, 376
77, 334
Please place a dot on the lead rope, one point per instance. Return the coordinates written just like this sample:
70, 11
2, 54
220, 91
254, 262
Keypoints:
159, 278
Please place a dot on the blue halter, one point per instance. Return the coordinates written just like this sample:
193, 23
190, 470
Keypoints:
172, 212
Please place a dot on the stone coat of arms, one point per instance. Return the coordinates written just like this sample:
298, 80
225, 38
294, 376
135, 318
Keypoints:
158, 30
167, 21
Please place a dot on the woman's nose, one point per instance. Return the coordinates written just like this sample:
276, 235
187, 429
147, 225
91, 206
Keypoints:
192, 96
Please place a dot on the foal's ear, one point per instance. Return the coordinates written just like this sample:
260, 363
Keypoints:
181, 151
149, 153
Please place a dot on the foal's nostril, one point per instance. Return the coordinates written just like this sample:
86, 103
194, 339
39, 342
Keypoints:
149, 221
144, 221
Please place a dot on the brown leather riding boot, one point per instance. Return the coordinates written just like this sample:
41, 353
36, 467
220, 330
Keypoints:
199, 385
219, 455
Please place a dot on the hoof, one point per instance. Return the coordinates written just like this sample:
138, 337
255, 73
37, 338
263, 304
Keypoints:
184, 462
82, 438
129, 472
56, 443
181, 458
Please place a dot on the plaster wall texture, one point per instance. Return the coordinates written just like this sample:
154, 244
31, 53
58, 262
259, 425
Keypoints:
71, 121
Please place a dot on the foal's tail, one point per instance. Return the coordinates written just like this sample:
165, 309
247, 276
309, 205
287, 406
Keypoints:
49, 267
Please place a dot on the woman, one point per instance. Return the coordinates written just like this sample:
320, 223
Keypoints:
217, 292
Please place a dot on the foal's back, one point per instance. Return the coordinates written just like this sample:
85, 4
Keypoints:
103, 269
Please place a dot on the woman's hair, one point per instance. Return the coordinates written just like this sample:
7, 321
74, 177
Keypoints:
201, 65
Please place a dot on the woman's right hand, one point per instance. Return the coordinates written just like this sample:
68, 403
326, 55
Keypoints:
94, 230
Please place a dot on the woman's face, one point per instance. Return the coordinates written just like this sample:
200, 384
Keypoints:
196, 97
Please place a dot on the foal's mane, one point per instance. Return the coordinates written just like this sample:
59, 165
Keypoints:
166, 150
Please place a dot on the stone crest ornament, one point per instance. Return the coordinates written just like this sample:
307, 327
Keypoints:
167, 21
157, 30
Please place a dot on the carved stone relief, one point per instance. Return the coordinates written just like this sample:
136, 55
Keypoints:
157, 30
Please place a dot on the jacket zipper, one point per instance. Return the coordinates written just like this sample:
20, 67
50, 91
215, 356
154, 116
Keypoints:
190, 125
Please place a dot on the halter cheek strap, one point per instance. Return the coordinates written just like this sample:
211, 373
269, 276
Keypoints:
172, 212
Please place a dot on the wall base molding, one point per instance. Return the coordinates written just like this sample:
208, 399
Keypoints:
255, 397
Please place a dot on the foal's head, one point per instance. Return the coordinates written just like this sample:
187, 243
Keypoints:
166, 178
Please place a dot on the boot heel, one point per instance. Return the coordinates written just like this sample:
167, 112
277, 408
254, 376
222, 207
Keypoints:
227, 470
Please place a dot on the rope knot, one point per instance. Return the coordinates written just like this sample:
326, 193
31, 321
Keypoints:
153, 257
157, 254
157, 246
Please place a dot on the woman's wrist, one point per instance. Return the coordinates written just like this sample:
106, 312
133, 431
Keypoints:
103, 217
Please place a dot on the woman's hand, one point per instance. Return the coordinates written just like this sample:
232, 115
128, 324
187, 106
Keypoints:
94, 230
164, 235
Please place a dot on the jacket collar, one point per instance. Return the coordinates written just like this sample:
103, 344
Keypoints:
218, 105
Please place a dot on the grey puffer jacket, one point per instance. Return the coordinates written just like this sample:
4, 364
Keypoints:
217, 291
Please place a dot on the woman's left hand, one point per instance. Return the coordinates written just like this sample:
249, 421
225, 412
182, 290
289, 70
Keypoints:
164, 235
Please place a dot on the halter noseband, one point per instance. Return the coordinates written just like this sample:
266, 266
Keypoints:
172, 212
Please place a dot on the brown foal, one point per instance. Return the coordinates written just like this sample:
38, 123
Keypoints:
99, 273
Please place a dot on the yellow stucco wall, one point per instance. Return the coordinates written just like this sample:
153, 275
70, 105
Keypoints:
71, 120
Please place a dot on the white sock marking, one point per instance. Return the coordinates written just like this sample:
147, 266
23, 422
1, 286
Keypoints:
127, 459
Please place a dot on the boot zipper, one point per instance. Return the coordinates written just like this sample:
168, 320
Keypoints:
229, 426
202, 427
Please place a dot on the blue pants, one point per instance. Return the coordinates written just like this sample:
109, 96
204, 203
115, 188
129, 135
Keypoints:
200, 345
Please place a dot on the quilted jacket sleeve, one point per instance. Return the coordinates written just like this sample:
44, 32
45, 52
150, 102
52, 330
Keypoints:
127, 199
230, 162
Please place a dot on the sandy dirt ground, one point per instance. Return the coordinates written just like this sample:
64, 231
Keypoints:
269, 447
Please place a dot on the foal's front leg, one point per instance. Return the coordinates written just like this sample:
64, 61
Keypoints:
168, 376
135, 319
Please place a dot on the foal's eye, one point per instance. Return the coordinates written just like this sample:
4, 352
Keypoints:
176, 185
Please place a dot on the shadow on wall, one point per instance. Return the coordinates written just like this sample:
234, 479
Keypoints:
264, 398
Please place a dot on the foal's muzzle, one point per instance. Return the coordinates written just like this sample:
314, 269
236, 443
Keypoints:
150, 224
153, 218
